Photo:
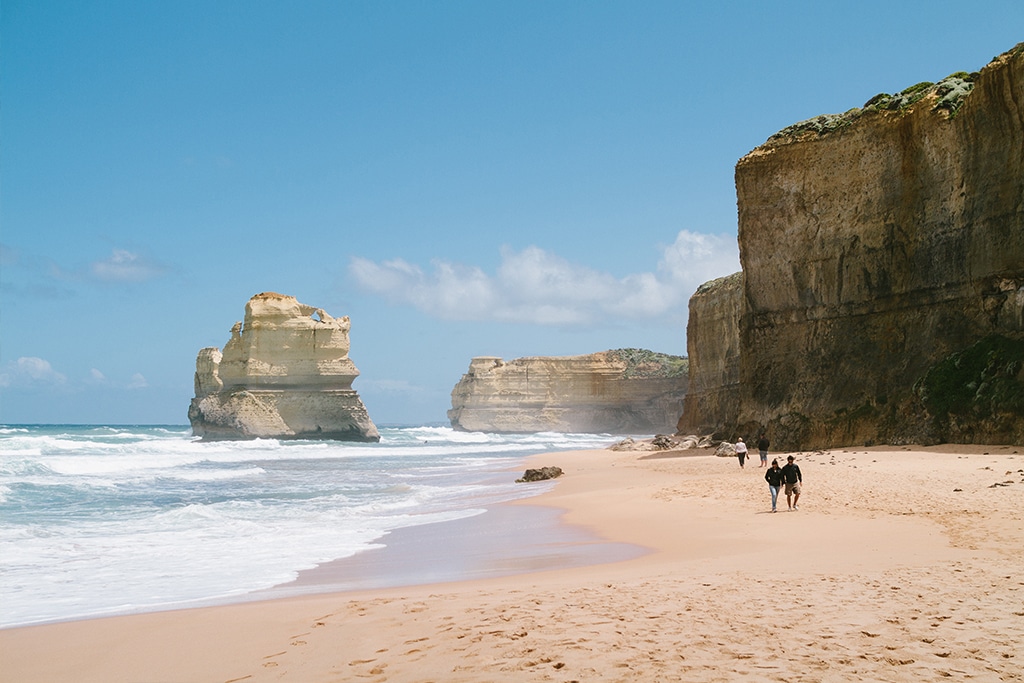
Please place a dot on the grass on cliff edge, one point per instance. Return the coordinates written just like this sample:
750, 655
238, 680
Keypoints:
644, 363
950, 94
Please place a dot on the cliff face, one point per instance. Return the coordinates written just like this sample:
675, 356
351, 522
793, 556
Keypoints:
877, 247
627, 391
285, 373
713, 347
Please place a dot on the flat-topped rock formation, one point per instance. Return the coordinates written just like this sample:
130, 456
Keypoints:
284, 374
883, 275
626, 391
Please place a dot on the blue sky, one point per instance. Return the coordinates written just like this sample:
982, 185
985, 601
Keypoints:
460, 178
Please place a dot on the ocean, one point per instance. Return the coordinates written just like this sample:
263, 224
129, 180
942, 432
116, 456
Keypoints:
101, 520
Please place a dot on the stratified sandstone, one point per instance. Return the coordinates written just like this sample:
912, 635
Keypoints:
620, 392
713, 348
284, 374
883, 262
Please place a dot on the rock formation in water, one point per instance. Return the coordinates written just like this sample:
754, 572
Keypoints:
284, 374
883, 275
626, 391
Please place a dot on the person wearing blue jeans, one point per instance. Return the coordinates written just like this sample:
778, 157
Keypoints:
773, 475
762, 447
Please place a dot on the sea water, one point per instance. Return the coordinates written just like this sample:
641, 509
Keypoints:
98, 520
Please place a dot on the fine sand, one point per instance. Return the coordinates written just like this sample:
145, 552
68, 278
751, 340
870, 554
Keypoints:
901, 565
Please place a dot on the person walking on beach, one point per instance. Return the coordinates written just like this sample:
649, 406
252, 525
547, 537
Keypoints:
773, 475
762, 447
792, 478
741, 451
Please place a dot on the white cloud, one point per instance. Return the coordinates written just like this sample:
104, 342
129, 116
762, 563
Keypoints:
30, 371
125, 266
538, 287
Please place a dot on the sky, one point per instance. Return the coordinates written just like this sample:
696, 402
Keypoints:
461, 178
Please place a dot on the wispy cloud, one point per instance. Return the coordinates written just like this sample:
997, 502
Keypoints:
37, 374
538, 287
125, 266
121, 266
30, 371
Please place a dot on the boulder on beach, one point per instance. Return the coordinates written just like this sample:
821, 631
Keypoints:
540, 474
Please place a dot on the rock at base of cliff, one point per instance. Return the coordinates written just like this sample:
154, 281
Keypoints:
725, 450
662, 442
540, 475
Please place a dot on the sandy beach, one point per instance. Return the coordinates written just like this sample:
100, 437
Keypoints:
902, 564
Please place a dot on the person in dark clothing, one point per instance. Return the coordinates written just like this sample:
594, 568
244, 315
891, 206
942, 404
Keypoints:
762, 447
792, 478
773, 475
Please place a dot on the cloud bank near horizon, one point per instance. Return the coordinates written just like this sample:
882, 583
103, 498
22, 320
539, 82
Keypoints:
538, 287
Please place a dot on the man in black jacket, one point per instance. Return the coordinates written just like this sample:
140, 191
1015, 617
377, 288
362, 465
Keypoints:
792, 478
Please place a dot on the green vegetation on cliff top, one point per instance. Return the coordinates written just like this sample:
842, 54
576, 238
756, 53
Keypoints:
734, 280
950, 94
644, 363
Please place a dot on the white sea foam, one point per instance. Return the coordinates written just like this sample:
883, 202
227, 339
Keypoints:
99, 520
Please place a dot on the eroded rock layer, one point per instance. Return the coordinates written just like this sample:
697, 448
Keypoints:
883, 271
713, 348
285, 374
624, 391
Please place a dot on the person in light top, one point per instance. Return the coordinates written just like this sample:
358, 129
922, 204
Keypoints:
741, 451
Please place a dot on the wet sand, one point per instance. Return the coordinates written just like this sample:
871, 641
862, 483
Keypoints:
508, 539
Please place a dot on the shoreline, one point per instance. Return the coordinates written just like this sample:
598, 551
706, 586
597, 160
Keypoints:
901, 562
500, 542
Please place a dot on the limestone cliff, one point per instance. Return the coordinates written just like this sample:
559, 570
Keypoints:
621, 392
713, 348
883, 271
285, 374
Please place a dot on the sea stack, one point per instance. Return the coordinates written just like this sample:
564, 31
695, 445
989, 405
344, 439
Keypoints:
625, 391
284, 374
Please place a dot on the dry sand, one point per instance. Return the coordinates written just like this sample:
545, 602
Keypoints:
901, 565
